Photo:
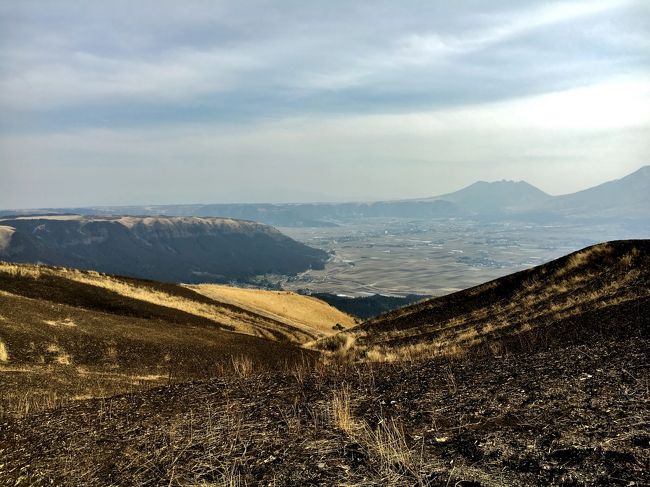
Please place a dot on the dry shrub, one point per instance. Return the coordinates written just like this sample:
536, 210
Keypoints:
343, 347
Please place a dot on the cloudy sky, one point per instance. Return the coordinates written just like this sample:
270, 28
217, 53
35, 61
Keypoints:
153, 102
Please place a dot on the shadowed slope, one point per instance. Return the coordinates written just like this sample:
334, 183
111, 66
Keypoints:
575, 416
172, 249
66, 333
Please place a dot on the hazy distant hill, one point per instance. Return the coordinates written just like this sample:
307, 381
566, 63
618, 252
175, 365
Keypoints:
628, 197
169, 249
498, 196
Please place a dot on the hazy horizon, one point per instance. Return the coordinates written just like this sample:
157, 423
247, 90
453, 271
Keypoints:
313, 198
147, 103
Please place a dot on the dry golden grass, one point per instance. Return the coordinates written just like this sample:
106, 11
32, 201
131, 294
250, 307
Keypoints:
21, 270
582, 258
386, 444
289, 307
340, 410
301, 318
590, 280
4, 354
214, 312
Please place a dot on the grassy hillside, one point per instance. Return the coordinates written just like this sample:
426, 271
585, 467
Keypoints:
601, 290
470, 411
303, 312
66, 333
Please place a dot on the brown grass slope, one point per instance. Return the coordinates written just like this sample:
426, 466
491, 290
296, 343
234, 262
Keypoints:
304, 312
68, 334
603, 290
572, 414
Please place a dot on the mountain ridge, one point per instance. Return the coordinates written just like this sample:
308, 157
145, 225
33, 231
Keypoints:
496, 196
178, 249
497, 199
586, 293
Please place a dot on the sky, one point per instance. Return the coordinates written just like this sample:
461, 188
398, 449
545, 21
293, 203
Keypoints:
165, 102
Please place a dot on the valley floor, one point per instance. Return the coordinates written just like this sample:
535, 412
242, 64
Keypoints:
573, 416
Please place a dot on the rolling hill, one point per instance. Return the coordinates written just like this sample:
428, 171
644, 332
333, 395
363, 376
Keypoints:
296, 310
603, 290
537, 378
172, 249
67, 330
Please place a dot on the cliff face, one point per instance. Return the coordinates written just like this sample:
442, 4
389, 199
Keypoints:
177, 249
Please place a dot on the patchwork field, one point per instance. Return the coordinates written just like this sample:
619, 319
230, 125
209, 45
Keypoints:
437, 257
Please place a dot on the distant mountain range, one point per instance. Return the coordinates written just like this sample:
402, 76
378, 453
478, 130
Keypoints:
172, 249
626, 199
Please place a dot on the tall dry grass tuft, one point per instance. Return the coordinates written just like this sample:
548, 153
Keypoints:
22, 405
340, 411
242, 365
386, 445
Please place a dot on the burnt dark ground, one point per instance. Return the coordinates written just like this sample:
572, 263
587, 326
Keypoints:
573, 416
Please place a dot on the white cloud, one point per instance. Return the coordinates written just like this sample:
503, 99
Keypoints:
357, 100
596, 130
83, 77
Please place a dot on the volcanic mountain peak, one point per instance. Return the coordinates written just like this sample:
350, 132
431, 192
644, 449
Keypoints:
497, 196
626, 197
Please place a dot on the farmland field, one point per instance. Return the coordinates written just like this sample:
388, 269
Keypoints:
399, 256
